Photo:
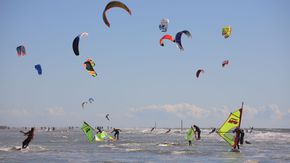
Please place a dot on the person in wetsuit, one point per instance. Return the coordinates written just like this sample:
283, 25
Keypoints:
242, 137
30, 135
237, 130
212, 131
116, 134
167, 131
197, 131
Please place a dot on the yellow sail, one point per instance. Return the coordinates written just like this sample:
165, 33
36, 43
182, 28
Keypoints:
233, 121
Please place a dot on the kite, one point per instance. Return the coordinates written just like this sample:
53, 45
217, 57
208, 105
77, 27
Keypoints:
166, 37
227, 31
225, 62
178, 38
76, 41
91, 100
21, 50
107, 116
89, 64
38, 69
83, 104
111, 5
198, 72
163, 25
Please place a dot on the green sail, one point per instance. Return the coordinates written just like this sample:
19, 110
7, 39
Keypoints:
233, 121
189, 134
103, 136
88, 130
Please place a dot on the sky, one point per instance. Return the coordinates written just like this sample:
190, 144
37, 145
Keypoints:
140, 82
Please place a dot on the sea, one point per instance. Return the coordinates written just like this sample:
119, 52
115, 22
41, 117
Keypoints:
141, 145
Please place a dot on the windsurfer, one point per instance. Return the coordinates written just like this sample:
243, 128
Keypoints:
30, 135
237, 130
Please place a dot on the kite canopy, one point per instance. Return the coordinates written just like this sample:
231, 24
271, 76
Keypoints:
233, 121
107, 117
166, 37
198, 72
88, 130
189, 134
163, 25
89, 64
104, 136
76, 41
91, 100
83, 104
227, 31
225, 62
178, 38
21, 50
38, 69
111, 5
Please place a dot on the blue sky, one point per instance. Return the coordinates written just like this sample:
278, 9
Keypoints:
139, 82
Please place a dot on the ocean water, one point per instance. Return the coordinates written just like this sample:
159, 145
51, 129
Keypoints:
141, 145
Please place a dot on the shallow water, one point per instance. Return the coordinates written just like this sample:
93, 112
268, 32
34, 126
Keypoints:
141, 145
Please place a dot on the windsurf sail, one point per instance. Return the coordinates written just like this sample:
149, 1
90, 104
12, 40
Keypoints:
189, 134
88, 130
104, 136
233, 121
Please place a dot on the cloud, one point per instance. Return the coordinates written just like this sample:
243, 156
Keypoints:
18, 112
181, 110
270, 115
56, 111
277, 114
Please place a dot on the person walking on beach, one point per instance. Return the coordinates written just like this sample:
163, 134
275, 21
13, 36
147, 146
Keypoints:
116, 134
197, 131
30, 135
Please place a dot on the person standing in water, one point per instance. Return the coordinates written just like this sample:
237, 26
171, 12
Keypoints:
237, 137
30, 135
242, 137
116, 134
197, 131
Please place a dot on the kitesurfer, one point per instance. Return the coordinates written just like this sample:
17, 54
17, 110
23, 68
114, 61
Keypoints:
30, 135
116, 134
237, 130
212, 131
167, 131
197, 131
152, 129
99, 130
251, 129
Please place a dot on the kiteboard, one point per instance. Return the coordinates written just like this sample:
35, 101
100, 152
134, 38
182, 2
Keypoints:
19, 148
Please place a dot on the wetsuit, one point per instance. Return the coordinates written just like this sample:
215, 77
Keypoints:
237, 138
30, 135
242, 137
117, 132
198, 131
